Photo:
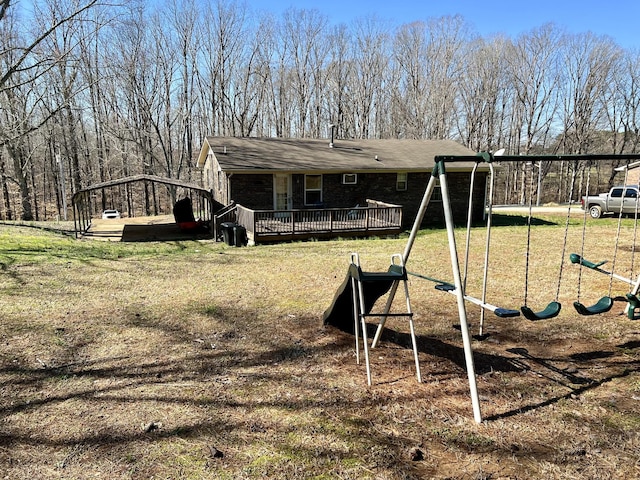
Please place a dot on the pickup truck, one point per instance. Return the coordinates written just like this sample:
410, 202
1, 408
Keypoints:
625, 197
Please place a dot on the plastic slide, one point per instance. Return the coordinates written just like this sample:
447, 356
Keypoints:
340, 313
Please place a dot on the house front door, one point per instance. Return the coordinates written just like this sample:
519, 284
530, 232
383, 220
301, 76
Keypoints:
282, 192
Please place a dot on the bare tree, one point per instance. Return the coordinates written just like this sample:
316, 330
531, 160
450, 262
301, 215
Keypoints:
485, 95
627, 84
588, 62
370, 53
447, 37
94, 65
23, 63
222, 39
534, 69
20, 102
134, 88
588, 67
339, 76
533, 66
250, 87
410, 55
280, 92
303, 31
63, 78
183, 18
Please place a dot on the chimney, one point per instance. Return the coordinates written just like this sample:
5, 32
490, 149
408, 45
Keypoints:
332, 126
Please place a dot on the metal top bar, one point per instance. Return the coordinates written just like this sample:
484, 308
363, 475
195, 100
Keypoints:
486, 157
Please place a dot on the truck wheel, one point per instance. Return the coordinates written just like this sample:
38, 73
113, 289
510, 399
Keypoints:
595, 211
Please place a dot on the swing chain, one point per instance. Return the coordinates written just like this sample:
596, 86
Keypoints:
584, 226
615, 249
566, 232
527, 253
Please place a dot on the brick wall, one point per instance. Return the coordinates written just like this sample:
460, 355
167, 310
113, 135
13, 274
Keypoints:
256, 192
633, 177
252, 191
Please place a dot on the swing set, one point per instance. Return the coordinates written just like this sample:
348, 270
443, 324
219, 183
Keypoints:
362, 289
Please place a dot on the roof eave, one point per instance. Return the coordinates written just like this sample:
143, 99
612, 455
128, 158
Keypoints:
204, 152
450, 168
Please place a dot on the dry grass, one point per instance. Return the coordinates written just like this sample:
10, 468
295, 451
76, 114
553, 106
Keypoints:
144, 360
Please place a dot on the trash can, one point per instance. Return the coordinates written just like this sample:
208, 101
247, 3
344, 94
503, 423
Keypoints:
228, 233
234, 234
240, 235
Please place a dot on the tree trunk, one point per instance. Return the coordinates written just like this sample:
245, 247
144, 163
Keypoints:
5, 190
19, 167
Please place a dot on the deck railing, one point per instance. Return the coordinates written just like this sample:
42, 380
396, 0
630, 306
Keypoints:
376, 218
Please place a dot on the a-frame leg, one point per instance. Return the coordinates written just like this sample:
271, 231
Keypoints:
413, 333
462, 312
363, 323
356, 316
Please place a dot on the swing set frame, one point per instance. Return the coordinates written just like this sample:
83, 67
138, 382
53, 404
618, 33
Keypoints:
458, 286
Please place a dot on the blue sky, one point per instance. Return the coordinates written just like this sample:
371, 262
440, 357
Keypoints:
618, 19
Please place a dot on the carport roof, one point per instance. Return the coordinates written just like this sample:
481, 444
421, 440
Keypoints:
140, 178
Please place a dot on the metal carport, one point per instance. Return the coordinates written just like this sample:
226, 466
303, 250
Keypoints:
82, 208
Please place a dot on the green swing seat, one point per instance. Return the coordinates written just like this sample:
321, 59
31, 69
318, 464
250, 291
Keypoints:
550, 311
603, 305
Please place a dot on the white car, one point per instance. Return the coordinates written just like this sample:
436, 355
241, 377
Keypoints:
110, 214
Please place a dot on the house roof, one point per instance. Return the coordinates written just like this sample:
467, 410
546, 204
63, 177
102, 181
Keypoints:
255, 155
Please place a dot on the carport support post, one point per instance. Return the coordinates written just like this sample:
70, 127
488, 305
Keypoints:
462, 311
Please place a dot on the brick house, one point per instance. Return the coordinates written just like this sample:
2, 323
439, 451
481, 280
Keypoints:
297, 174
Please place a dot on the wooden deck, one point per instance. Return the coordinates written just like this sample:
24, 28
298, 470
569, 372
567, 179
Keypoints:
376, 219
158, 228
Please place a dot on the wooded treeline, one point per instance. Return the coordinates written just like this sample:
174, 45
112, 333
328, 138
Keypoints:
91, 91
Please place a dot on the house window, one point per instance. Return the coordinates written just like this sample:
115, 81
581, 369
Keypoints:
312, 189
349, 178
401, 181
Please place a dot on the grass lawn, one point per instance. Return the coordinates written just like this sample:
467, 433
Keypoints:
194, 359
